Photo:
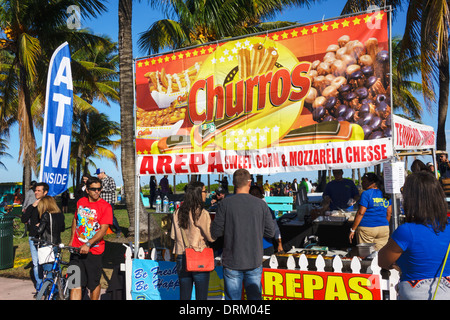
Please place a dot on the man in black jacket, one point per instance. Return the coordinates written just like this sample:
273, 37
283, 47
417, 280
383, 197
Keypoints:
243, 220
31, 217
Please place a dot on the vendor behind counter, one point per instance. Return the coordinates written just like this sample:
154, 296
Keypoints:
339, 193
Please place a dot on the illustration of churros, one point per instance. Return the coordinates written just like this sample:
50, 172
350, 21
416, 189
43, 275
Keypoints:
257, 60
164, 82
244, 63
268, 61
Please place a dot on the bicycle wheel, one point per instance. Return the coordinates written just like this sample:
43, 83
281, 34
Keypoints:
63, 290
44, 292
19, 228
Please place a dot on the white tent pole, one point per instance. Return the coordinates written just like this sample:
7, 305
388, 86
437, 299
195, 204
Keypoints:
136, 216
394, 159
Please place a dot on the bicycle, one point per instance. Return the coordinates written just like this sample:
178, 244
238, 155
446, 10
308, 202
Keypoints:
55, 287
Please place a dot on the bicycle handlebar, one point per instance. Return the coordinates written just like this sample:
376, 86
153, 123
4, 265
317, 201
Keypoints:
61, 245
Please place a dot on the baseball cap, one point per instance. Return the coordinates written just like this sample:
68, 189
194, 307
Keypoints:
430, 164
220, 190
99, 170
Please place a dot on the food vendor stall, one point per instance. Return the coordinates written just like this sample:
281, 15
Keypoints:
304, 98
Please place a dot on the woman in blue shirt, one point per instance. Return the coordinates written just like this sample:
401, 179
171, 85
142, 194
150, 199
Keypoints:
418, 247
372, 218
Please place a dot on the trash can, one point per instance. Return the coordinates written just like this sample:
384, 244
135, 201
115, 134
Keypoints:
6, 243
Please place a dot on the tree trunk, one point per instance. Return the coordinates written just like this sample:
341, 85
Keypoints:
26, 130
82, 143
126, 121
441, 142
126, 105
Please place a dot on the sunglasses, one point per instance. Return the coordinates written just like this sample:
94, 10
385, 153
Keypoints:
95, 189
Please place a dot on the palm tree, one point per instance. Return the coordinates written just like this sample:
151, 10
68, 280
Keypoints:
128, 161
33, 29
3, 153
426, 33
195, 22
8, 112
404, 90
97, 141
99, 64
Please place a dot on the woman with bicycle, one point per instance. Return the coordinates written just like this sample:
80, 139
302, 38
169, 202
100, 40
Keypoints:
51, 224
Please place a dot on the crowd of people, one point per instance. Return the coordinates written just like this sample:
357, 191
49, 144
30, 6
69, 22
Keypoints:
243, 221
247, 228
419, 247
286, 188
95, 200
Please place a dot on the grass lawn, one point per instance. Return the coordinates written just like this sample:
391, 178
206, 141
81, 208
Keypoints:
113, 256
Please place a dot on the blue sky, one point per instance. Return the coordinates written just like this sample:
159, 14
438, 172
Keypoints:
143, 17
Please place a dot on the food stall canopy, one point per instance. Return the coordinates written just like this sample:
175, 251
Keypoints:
309, 97
409, 135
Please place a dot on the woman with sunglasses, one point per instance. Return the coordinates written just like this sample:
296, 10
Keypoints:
371, 224
194, 221
419, 246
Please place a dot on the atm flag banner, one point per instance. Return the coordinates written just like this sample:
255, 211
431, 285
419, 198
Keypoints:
57, 131
317, 84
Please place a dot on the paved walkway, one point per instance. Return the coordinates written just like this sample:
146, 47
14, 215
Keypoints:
16, 289
19, 289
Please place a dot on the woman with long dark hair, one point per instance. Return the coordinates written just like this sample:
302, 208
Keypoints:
371, 223
192, 219
419, 246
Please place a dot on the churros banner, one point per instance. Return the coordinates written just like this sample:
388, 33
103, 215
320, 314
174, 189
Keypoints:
310, 93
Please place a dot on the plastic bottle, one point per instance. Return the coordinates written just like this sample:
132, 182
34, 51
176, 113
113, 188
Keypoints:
165, 204
158, 204
171, 207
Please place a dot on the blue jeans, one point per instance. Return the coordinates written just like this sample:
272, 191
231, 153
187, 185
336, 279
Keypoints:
188, 279
233, 283
35, 260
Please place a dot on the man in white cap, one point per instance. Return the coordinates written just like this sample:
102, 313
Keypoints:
109, 194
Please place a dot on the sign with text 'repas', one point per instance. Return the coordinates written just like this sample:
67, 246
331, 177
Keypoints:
57, 130
282, 284
263, 101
